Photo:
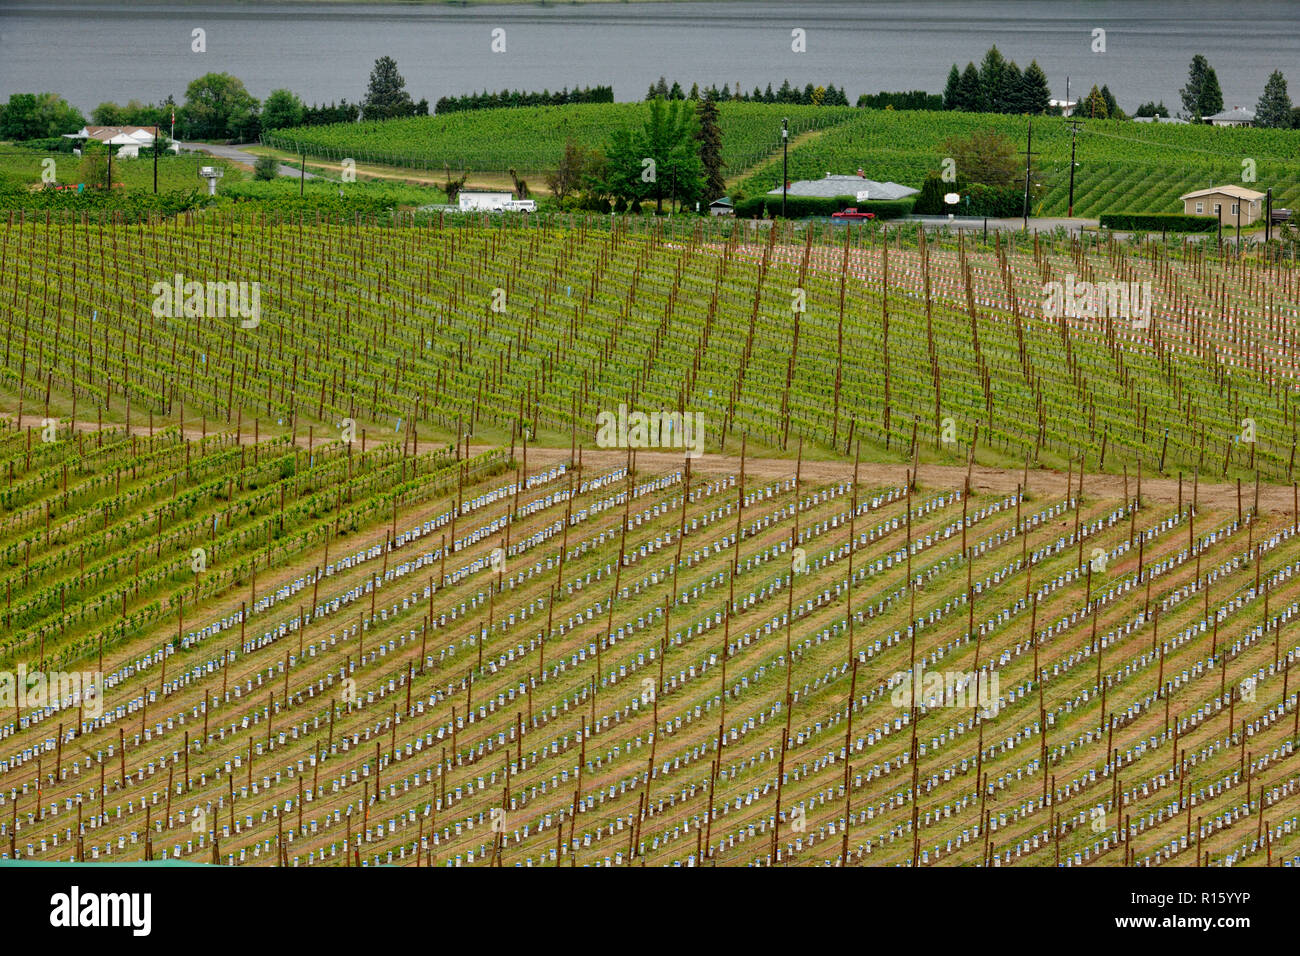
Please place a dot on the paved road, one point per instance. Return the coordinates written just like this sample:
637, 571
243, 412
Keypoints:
237, 154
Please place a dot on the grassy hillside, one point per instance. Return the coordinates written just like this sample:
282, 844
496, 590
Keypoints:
532, 138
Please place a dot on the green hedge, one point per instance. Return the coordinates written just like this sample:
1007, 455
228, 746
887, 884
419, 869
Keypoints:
133, 205
1157, 222
801, 207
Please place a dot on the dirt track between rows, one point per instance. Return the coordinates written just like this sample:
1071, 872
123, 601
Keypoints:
1273, 498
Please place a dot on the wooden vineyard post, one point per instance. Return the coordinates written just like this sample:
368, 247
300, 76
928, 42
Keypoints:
775, 856
848, 769
794, 542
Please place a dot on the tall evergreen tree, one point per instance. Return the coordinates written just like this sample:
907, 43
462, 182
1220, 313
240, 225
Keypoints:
1201, 96
676, 92
1035, 94
709, 136
661, 88
972, 93
1012, 86
1211, 95
993, 70
952, 98
785, 94
386, 95
1112, 107
694, 93
768, 95
1274, 107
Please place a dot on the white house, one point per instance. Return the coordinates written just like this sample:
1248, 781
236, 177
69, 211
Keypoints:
127, 139
482, 201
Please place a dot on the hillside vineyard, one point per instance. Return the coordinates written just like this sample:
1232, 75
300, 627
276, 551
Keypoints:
965, 574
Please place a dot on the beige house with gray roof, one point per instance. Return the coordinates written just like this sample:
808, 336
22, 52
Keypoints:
1223, 202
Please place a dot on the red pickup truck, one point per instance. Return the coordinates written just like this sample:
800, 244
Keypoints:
852, 213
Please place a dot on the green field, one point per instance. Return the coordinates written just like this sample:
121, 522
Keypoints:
531, 138
1123, 166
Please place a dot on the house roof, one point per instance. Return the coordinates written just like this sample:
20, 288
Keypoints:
133, 134
1159, 119
830, 186
724, 201
1238, 114
1236, 192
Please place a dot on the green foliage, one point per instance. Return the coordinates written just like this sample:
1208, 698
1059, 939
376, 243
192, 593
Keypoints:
984, 156
38, 116
386, 96
658, 161
1150, 109
1157, 222
94, 171
516, 98
217, 106
266, 167
1112, 107
996, 86
1201, 96
1274, 107
971, 91
913, 100
281, 109
1094, 106
135, 113
709, 136
929, 202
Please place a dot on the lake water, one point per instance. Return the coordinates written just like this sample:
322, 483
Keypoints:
95, 51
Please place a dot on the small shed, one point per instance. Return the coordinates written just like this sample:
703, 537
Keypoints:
722, 207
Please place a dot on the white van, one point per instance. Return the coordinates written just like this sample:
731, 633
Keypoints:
520, 205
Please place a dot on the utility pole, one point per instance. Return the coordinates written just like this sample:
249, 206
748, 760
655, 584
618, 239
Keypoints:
1029, 151
1074, 131
785, 162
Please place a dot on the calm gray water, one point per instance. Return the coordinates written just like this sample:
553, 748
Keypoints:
95, 51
